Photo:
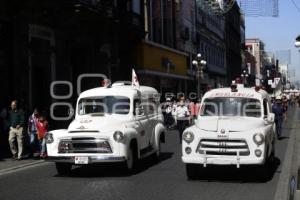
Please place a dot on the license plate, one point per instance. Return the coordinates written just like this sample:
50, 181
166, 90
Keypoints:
81, 160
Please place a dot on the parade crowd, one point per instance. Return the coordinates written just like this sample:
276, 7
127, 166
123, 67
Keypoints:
25, 138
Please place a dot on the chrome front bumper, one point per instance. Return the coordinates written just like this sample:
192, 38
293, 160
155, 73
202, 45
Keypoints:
91, 159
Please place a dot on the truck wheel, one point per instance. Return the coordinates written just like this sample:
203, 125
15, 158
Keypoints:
63, 168
131, 161
272, 156
263, 172
157, 154
192, 171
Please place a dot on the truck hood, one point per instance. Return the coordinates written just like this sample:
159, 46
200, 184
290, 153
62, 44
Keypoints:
229, 124
101, 124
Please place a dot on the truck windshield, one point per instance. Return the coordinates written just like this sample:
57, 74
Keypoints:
104, 105
229, 106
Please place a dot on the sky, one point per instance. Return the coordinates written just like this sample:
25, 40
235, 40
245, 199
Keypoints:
279, 33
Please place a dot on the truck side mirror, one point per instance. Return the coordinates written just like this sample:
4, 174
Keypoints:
271, 118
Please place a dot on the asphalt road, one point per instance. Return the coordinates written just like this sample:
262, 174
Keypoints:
164, 180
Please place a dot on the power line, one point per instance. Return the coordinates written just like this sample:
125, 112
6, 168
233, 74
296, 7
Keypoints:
296, 6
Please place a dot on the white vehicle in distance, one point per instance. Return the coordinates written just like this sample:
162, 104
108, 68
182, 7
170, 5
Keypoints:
235, 127
118, 123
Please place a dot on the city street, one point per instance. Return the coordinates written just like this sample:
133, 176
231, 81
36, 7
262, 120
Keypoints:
97, 94
164, 180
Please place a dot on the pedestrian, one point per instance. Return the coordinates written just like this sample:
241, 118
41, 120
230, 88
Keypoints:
42, 128
169, 120
279, 111
16, 123
285, 106
32, 132
198, 107
298, 103
182, 117
192, 107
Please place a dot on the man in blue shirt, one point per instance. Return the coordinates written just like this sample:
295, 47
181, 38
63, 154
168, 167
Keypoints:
279, 111
16, 122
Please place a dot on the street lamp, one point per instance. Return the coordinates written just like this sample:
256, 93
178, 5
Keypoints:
297, 43
244, 76
199, 63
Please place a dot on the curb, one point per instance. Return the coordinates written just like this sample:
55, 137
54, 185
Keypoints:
290, 161
7, 170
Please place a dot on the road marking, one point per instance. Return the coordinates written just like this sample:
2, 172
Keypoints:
21, 167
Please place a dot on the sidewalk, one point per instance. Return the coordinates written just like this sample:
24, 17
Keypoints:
9, 164
288, 180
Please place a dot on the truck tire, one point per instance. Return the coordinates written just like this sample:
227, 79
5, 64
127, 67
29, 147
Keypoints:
272, 156
192, 171
63, 168
157, 154
130, 164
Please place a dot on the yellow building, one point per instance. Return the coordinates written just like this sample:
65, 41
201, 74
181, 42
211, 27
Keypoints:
162, 67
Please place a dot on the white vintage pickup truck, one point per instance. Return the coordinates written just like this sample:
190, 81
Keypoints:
119, 123
235, 127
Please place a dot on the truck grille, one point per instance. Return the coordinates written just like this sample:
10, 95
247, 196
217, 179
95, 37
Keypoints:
223, 147
84, 145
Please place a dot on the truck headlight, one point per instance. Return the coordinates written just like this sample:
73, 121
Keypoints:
49, 138
188, 137
258, 138
118, 136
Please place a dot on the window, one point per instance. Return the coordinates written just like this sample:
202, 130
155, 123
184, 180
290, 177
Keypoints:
151, 106
138, 108
104, 105
231, 106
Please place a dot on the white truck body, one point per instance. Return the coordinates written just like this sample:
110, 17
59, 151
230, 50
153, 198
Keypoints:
241, 132
112, 124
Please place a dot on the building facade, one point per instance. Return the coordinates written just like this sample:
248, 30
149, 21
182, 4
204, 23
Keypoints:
159, 62
256, 48
176, 31
47, 41
234, 35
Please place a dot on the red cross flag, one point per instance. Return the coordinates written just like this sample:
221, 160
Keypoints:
134, 79
106, 82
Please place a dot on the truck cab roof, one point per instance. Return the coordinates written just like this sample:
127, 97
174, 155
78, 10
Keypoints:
240, 92
119, 90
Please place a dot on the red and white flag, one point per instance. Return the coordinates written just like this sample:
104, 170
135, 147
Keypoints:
106, 82
134, 79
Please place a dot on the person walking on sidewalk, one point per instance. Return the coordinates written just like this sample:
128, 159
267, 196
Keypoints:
32, 131
279, 111
182, 117
16, 122
42, 128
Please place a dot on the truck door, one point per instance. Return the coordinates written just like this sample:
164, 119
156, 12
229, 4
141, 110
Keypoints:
140, 123
266, 111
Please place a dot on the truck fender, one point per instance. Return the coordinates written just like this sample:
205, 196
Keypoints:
159, 134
